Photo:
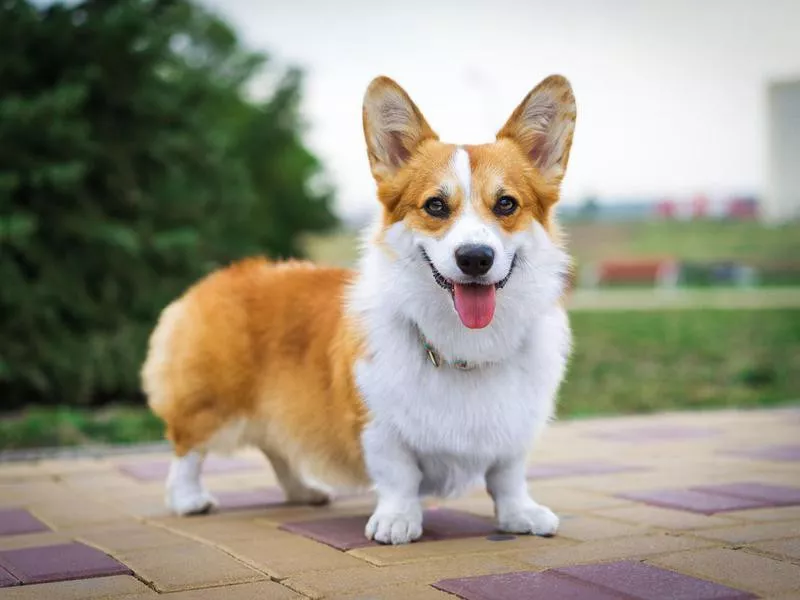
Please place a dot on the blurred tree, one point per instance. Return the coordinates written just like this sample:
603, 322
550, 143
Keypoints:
132, 162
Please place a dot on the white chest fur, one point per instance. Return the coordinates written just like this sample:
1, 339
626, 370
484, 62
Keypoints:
458, 423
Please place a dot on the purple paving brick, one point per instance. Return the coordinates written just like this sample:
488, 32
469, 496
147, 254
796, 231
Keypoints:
59, 563
645, 582
772, 495
346, 533
158, 469
657, 433
525, 586
576, 469
445, 524
16, 521
786, 452
258, 498
694, 501
7, 579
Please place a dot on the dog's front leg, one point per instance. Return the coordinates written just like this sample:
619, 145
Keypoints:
398, 517
516, 511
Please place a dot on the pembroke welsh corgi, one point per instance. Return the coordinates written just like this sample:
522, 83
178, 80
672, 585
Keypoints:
429, 369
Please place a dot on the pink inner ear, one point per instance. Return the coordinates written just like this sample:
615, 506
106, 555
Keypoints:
539, 150
397, 152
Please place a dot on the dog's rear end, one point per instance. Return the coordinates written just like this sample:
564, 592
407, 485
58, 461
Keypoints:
225, 368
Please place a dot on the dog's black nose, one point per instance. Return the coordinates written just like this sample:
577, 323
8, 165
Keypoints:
474, 259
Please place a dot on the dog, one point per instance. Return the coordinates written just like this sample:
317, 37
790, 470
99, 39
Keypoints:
428, 370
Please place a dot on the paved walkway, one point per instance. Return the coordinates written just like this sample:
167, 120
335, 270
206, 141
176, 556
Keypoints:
680, 506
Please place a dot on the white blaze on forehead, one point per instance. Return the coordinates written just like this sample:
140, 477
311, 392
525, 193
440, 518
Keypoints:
468, 227
463, 173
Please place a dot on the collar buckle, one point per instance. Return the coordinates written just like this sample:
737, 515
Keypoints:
435, 360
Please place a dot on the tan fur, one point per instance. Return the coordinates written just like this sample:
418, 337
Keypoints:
264, 342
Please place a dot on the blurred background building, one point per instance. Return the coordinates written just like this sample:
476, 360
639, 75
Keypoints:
782, 193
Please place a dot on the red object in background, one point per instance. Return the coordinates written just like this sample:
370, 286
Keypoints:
634, 270
666, 209
700, 206
743, 209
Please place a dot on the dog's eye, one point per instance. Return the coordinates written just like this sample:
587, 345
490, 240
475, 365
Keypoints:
505, 206
436, 207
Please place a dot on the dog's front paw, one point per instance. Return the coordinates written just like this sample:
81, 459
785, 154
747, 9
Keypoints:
530, 518
394, 527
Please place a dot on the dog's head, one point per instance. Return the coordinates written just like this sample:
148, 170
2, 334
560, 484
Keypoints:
472, 218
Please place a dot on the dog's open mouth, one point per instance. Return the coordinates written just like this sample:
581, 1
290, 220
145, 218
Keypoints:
474, 301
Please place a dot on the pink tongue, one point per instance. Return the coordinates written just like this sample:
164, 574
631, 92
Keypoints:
475, 304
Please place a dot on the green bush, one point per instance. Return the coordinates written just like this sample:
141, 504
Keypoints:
133, 161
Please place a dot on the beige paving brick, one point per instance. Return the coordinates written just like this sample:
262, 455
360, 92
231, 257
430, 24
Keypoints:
31, 540
281, 554
105, 482
147, 507
61, 467
754, 532
736, 568
260, 590
217, 528
784, 513
612, 549
120, 586
423, 551
586, 527
23, 471
188, 566
664, 517
134, 536
75, 511
561, 499
788, 549
320, 584
403, 592
27, 493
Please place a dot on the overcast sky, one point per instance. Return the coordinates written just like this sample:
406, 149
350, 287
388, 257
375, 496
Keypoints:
671, 94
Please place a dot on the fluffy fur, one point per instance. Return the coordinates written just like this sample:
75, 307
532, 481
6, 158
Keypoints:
325, 370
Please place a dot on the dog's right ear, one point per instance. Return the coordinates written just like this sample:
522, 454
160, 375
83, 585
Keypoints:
393, 127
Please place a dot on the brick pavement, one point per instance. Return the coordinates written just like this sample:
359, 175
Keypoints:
681, 506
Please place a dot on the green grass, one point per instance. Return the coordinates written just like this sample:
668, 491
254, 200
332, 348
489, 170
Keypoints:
691, 241
645, 361
624, 362
69, 426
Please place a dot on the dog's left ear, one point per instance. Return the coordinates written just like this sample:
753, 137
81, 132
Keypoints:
543, 124
393, 127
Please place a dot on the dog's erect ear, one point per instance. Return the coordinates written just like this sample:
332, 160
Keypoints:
393, 127
543, 125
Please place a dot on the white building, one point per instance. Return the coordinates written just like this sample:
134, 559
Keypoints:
782, 198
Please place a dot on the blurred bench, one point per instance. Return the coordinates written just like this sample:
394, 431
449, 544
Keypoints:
660, 272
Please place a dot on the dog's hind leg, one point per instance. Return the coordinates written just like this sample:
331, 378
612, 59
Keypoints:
185, 492
296, 490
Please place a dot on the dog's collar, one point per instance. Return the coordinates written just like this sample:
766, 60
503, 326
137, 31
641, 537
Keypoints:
437, 360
